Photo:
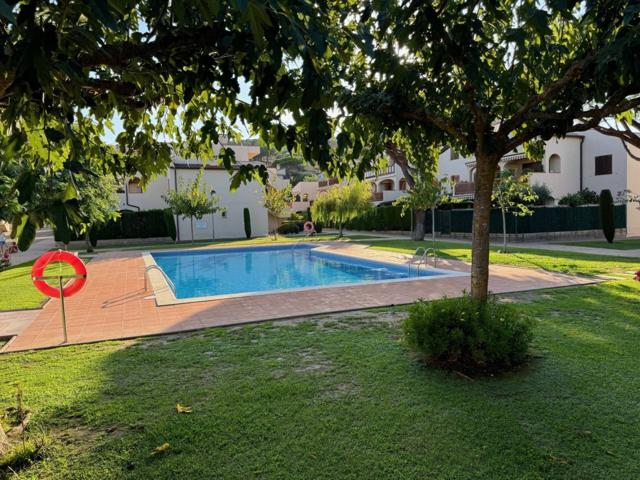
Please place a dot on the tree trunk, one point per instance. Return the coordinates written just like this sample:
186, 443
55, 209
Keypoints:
87, 241
191, 219
485, 175
504, 231
418, 225
340, 230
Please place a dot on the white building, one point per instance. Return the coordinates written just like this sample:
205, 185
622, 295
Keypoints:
304, 193
228, 224
588, 160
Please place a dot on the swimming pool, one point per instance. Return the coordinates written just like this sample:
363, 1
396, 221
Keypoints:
231, 271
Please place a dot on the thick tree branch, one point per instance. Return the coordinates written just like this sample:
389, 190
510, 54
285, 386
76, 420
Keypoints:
552, 91
399, 157
588, 119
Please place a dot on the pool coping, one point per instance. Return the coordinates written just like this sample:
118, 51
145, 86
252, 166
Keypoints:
165, 296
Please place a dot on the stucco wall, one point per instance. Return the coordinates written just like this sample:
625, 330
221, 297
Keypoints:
230, 225
568, 179
633, 209
598, 144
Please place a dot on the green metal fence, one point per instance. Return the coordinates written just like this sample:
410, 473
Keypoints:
543, 220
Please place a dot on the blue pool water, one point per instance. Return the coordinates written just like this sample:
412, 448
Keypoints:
199, 273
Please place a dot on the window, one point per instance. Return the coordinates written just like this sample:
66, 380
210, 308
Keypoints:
554, 163
134, 186
305, 197
455, 179
454, 155
603, 165
297, 197
532, 167
403, 185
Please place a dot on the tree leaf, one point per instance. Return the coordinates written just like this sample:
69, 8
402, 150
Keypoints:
183, 408
161, 449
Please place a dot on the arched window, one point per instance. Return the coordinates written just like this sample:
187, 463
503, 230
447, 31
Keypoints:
386, 185
374, 188
134, 185
554, 163
403, 185
305, 197
297, 197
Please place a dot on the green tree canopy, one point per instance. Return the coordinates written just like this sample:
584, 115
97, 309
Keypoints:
482, 77
512, 194
192, 200
342, 203
277, 200
171, 72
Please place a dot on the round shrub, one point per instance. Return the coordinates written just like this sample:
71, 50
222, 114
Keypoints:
468, 334
288, 228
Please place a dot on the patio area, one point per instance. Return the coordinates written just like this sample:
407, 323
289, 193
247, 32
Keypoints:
115, 305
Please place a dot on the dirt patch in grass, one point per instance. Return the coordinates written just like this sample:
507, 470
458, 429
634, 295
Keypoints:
312, 361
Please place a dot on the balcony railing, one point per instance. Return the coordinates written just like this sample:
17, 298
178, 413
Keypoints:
464, 188
379, 173
329, 182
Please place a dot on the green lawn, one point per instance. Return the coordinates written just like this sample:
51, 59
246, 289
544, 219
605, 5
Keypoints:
344, 399
566, 262
631, 244
16, 289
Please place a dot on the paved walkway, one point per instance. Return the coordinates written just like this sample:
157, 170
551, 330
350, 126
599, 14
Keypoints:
14, 322
114, 305
44, 242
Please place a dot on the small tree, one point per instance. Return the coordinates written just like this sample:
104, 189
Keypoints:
247, 222
192, 200
277, 201
99, 202
341, 204
427, 193
512, 194
607, 219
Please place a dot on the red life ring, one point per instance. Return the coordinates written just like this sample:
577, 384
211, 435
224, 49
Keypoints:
308, 226
58, 256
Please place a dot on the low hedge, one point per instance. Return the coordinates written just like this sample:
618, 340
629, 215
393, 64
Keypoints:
143, 224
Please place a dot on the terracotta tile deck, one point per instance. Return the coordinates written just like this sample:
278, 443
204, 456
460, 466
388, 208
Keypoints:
114, 305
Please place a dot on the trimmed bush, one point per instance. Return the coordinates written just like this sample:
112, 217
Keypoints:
247, 222
607, 219
583, 197
289, 228
467, 334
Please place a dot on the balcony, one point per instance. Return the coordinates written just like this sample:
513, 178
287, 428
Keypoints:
380, 173
328, 183
376, 197
464, 188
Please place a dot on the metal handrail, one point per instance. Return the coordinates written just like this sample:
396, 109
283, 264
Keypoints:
169, 282
424, 258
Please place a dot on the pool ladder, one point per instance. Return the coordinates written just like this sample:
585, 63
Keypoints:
423, 258
146, 278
